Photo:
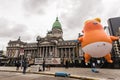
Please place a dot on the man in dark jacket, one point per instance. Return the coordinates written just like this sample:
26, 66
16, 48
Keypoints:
67, 64
43, 65
24, 65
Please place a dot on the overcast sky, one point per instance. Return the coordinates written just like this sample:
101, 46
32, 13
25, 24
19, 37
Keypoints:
30, 18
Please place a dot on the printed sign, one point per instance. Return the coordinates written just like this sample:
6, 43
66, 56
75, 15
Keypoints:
56, 61
48, 61
52, 60
38, 60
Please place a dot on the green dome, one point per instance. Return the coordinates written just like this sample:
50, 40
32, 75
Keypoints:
57, 24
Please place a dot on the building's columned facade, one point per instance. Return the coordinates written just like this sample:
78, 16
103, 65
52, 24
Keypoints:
51, 46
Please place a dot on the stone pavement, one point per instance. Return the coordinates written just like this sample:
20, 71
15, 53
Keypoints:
104, 74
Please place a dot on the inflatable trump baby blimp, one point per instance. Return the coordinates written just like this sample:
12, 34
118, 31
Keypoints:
95, 42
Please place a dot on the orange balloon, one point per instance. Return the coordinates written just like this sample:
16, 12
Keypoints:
95, 42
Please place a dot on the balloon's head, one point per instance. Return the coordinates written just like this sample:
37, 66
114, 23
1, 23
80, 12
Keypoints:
91, 25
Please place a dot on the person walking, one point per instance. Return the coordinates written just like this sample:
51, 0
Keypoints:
43, 65
67, 64
93, 65
24, 65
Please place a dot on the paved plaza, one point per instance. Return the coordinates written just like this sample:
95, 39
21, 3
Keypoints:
20, 76
112, 74
104, 74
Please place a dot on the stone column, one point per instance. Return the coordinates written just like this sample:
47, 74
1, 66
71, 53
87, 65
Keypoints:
32, 53
73, 53
53, 50
65, 53
56, 54
58, 51
50, 51
46, 52
69, 53
43, 52
61, 53
40, 52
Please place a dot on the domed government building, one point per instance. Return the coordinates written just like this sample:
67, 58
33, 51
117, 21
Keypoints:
53, 48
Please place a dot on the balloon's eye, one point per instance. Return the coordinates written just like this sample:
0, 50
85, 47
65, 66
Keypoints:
95, 23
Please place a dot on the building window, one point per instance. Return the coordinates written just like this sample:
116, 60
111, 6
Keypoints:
72, 43
17, 44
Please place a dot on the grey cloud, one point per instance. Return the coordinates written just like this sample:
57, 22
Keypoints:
11, 30
81, 10
35, 6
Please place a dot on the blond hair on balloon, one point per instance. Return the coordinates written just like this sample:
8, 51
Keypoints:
98, 19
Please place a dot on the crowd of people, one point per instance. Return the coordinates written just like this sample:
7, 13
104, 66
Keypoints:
24, 65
